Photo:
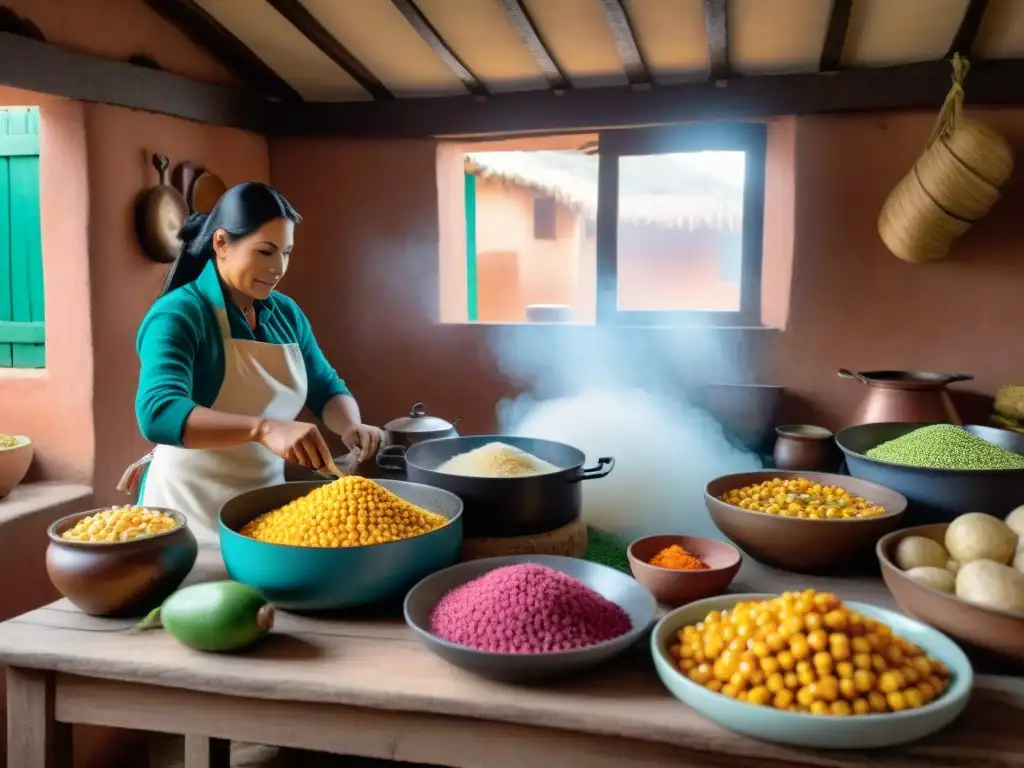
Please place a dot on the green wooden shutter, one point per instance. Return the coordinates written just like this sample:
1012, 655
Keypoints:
22, 333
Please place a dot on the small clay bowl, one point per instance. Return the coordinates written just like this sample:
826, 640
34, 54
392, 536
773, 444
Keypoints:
674, 587
999, 634
797, 544
120, 579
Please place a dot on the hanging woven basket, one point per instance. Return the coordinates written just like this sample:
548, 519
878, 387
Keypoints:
954, 182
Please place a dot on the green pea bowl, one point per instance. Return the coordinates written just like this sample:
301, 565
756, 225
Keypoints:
936, 495
797, 729
335, 578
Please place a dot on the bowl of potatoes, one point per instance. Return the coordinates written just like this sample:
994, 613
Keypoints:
965, 578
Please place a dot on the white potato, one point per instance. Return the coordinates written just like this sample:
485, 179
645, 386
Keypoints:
936, 578
1015, 520
977, 536
920, 551
991, 584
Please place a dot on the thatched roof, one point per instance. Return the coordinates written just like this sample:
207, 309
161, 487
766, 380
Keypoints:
693, 191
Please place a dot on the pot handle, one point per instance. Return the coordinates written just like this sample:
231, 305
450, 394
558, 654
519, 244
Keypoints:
604, 467
391, 457
845, 373
954, 377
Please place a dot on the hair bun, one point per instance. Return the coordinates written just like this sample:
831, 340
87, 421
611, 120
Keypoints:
191, 229
192, 225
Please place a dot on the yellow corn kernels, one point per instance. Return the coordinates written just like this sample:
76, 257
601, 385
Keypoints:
118, 524
799, 497
350, 512
807, 652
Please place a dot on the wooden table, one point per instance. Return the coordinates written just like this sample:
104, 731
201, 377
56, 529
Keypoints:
365, 687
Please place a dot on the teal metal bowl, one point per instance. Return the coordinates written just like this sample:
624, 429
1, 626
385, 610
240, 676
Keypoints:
322, 579
818, 732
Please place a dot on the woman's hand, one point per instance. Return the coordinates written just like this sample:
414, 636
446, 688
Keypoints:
295, 441
361, 439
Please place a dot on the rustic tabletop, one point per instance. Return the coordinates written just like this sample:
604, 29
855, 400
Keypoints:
372, 663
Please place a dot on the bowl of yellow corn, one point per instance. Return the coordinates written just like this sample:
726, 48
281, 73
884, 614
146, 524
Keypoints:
120, 561
805, 522
329, 545
15, 459
807, 670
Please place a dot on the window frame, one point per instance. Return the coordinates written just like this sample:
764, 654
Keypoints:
750, 138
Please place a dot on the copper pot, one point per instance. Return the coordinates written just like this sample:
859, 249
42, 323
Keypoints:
917, 396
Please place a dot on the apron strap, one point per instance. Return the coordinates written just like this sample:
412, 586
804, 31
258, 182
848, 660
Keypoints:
129, 482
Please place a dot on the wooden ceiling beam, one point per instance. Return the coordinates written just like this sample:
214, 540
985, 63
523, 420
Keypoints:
520, 19
209, 34
310, 28
432, 37
33, 65
835, 36
963, 40
716, 24
637, 74
909, 86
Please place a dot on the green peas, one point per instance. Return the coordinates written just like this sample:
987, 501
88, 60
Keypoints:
945, 446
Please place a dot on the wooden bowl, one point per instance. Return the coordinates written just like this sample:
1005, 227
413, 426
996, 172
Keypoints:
798, 544
1000, 634
678, 587
14, 464
122, 579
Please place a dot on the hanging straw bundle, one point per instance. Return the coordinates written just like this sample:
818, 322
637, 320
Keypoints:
954, 182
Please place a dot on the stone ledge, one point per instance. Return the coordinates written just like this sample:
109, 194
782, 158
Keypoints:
48, 496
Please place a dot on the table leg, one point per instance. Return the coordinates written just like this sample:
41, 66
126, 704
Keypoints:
206, 752
34, 737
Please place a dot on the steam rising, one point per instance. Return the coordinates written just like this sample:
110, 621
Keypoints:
608, 397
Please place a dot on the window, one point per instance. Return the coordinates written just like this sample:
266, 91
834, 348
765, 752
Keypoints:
680, 218
653, 226
22, 334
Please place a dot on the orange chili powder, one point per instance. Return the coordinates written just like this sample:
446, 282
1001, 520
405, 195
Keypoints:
678, 559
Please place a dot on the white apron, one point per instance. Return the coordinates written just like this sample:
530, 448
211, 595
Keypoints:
260, 379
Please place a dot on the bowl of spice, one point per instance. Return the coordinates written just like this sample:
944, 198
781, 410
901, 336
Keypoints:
120, 561
680, 569
805, 522
526, 618
944, 470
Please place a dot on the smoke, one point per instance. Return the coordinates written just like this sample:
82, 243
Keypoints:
615, 392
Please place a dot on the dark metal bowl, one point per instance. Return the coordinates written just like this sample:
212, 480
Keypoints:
120, 579
936, 495
501, 507
611, 584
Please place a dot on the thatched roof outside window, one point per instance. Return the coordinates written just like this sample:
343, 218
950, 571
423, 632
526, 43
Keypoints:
700, 190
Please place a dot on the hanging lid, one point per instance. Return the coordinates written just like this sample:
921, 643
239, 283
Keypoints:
417, 422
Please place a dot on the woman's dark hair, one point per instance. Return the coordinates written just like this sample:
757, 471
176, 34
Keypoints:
242, 210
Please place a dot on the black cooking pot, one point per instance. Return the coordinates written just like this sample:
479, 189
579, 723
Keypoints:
503, 507
417, 427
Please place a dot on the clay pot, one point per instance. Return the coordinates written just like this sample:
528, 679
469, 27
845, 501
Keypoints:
805, 447
122, 579
14, 464
678, 587
797, 544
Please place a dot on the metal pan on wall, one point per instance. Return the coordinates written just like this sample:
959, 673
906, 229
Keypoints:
159, 213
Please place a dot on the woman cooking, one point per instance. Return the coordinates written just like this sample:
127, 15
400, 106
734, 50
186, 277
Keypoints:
228, 363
